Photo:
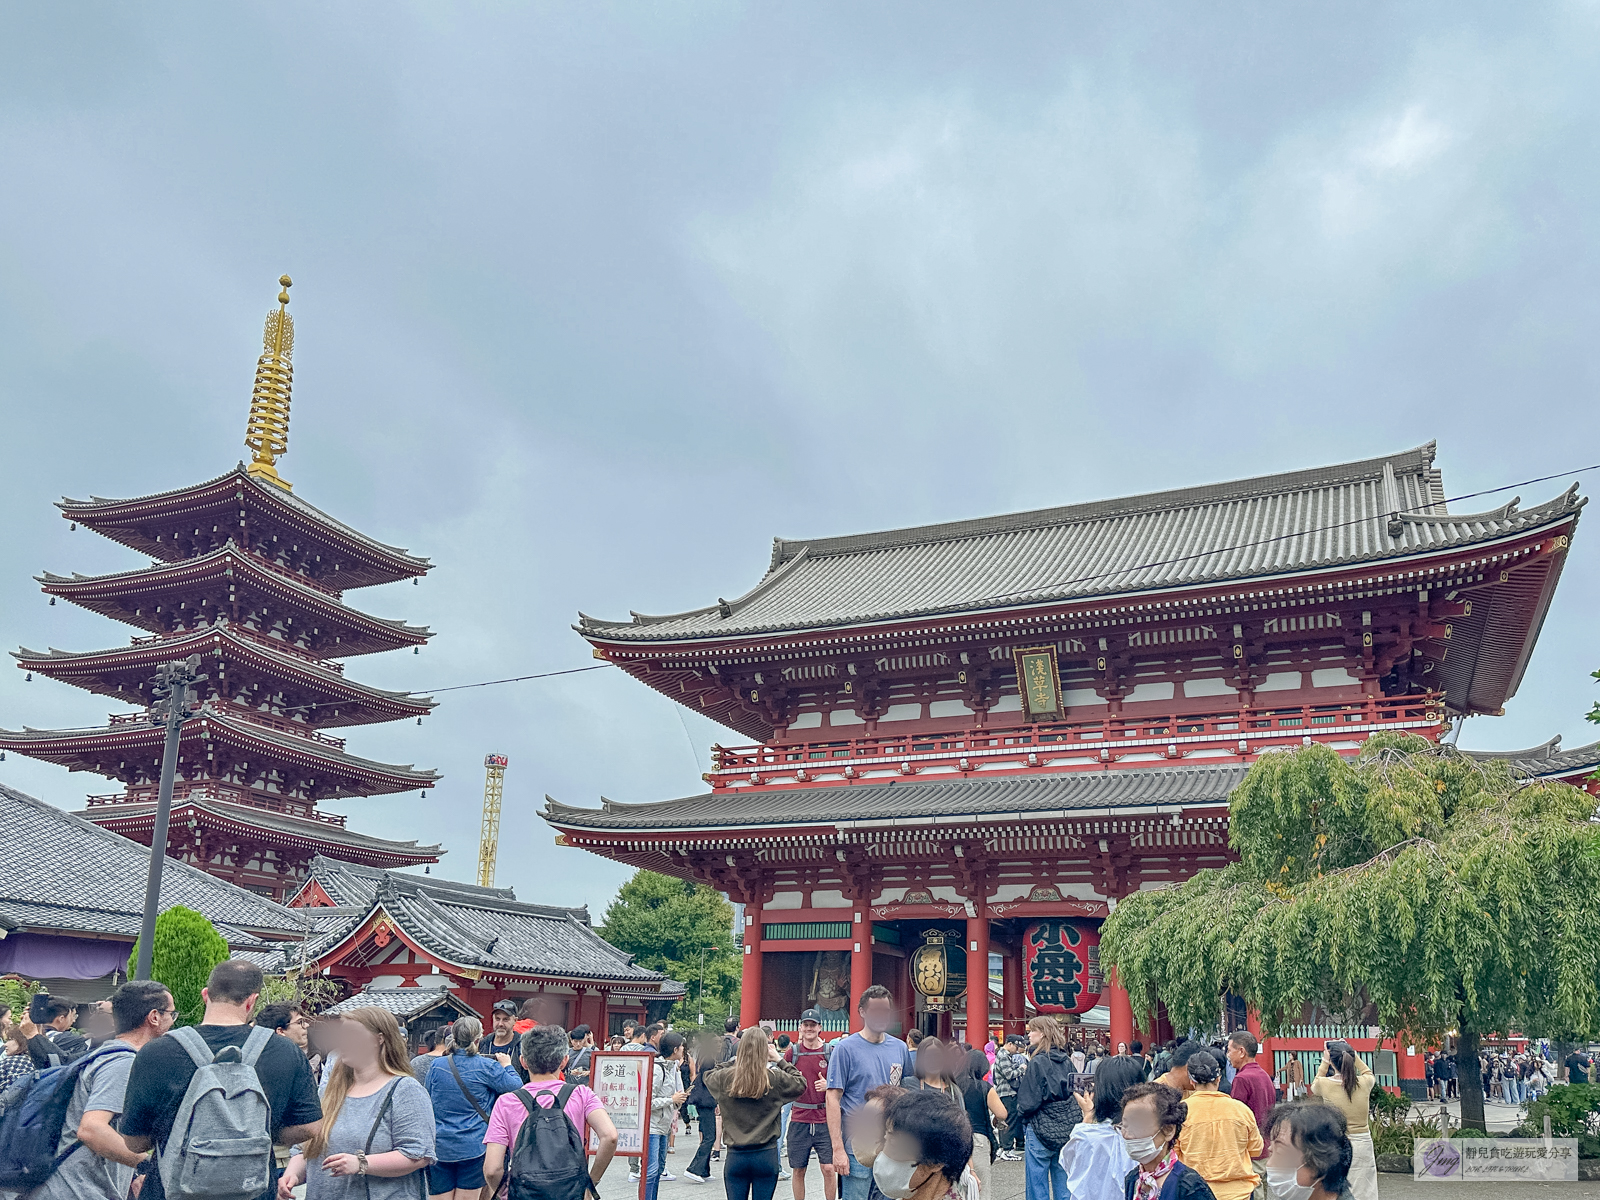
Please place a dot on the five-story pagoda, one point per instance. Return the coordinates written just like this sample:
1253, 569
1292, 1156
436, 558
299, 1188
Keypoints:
250, 577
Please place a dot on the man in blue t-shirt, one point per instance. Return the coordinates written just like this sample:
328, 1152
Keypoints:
859, 1063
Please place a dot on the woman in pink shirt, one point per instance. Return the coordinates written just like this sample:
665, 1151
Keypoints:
544, 1053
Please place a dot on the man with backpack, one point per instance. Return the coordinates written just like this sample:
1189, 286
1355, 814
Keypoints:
223, 1083
808, 1115
537, 1133
81, 1156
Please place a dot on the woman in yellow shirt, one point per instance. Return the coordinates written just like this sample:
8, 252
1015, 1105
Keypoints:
1220, 1139
1346, 1082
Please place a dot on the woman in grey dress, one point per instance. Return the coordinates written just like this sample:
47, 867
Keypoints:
377, 1128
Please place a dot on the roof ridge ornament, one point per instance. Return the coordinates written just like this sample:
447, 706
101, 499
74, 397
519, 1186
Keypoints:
266, 433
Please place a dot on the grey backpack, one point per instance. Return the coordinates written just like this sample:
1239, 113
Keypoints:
220, 1147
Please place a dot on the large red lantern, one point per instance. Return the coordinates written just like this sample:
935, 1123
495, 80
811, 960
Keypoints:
1061, 966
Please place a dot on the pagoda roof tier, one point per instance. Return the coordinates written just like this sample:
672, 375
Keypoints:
1351, 515
1548, 761
235, 583
129, 750
190, 521
281, 831
124, 672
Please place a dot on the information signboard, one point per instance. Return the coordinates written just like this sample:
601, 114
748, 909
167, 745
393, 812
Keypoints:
621, 1078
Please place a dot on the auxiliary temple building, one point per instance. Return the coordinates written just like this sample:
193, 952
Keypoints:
978, 737
252, 579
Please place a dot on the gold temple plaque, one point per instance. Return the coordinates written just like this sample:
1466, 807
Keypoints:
1039, 681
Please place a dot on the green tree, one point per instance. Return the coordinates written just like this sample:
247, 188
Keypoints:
15, 992
665, 923
186, 948
1443, 891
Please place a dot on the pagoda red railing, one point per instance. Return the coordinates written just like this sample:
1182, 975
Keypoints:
206, 789
1104, 741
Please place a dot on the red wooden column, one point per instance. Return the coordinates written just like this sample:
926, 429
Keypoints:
1121, 1012
860, 959
978, 979
750, 984
1012, 1005
1410, 1066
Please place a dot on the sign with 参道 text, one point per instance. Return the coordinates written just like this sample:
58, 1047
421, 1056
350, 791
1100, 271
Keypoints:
1494, 1160
622, 1081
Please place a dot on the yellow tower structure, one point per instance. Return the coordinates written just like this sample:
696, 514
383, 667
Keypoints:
266, 435
489, 837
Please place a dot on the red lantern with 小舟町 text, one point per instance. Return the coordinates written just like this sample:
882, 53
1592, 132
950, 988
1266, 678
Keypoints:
1061, 966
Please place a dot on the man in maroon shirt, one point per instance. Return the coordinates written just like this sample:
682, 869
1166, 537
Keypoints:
808, 1117
1252, 1086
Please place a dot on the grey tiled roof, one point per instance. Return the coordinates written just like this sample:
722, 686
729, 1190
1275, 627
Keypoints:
1022, 796
476, 927
61, 872
1251, 528
1545, 760
282, 823
403, 1002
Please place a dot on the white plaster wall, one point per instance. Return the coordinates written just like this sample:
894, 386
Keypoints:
1208, 687
901, 712
1152, 691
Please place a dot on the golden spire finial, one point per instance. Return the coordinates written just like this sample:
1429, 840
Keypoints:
266, 435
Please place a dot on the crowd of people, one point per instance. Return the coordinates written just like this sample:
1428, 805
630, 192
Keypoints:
263, 1102
1509, 1077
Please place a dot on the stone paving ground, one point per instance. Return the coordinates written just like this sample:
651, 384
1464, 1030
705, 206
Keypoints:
1008, 1185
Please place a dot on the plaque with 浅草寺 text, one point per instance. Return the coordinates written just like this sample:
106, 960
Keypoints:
1039, 682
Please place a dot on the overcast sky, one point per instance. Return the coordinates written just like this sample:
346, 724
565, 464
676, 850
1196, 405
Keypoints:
594, 300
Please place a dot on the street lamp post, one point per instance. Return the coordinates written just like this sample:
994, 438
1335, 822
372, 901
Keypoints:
703, 950
170, 689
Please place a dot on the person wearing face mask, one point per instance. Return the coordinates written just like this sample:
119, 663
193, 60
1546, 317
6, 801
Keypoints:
1094, 1157
1152, 1120
1310, 1153
927, 1143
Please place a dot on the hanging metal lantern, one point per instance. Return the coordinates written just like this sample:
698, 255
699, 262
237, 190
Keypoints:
1061, 966
939, 968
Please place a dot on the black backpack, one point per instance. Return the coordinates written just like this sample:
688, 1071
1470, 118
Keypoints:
547, 1160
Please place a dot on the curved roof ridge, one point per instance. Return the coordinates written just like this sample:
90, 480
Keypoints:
75, 508
725, 608
1416, 461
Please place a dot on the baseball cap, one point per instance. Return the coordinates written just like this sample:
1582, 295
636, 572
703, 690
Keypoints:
812, 1014
506, 1006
